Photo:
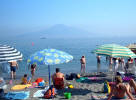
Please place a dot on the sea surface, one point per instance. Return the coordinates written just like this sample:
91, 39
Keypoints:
76, 47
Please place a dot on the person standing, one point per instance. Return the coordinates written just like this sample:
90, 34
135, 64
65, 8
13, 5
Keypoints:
83, 64
122, 64
116, 64
110, 64
98, 63
33, 68
13, 66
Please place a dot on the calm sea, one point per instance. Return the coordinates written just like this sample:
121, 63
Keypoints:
75, 47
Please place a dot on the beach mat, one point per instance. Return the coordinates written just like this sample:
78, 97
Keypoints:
95, 78
40, 93
81, 79
17, 95
98, 97
20, 87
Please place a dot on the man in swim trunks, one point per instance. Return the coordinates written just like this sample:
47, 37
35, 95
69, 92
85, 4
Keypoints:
119, 90
13, 66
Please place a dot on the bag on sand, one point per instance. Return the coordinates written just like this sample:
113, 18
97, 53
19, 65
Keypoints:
50, 93
106, 87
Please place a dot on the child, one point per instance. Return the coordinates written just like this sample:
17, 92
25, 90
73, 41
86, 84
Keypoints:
26, 80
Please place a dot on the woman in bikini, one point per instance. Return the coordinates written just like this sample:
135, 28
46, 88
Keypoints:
119, 90
33, 67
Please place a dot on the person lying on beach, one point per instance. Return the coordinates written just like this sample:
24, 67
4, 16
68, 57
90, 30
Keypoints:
26, 80
133, 86
58, 74
119, 90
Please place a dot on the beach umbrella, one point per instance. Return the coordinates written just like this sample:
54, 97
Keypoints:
132, 47
49, 57
114, 50
8, 53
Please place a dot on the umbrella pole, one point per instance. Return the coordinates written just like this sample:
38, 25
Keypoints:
50, 81
49, 75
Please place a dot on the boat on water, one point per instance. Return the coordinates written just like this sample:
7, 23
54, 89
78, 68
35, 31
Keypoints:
132, 47
42, 37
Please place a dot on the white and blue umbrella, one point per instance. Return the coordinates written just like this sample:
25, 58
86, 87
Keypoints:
8, 53
49, 57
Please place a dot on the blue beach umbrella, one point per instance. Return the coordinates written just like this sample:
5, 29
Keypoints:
49, 57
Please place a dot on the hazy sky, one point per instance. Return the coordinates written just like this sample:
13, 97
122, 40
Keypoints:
96, 16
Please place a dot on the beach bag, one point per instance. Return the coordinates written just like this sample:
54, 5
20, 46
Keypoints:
73, 76
38, 80
107, 88
41, 84
68, 77
49, 93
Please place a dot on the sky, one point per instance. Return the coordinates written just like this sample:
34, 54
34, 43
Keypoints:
95, 16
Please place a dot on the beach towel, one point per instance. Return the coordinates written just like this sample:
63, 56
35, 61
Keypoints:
20, 87
81, 79
98, 97
40, 93
17, 95
94, 78
127, 78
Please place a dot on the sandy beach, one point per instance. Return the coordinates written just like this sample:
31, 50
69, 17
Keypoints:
82, 90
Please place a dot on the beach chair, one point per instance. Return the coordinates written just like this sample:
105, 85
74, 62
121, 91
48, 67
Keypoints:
59, 83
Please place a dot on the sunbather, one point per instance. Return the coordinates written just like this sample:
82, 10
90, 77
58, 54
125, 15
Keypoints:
58, 74
58, 78
119, 90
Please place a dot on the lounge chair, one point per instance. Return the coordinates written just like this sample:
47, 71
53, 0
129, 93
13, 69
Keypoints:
59, 83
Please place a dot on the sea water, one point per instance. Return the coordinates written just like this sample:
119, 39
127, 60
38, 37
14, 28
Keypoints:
74, 46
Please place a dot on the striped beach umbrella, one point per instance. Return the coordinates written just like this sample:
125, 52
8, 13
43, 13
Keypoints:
49, 57
8, 53
132, 47
114, 50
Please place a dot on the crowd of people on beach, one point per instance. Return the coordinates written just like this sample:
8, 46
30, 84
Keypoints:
118, 90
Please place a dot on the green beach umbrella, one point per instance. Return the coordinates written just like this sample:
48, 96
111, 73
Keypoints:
114, 50
132, 47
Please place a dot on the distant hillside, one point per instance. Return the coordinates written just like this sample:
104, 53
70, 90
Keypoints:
58, 30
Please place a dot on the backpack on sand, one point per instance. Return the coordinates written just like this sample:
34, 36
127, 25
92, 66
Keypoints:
50, 93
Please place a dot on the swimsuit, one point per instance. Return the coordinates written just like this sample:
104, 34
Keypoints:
13, 68
125, 97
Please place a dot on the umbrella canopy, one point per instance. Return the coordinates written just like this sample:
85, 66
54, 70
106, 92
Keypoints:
49, 57
8, 53
114, 50
132, 47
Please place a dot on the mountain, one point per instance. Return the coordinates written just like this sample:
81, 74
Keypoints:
59, 30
